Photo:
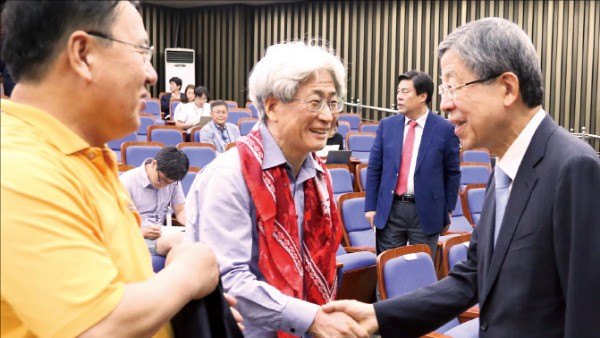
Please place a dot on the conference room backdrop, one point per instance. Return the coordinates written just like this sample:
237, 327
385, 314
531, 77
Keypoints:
379, 40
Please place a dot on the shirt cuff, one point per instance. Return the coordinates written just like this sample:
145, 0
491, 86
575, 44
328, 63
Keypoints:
298, 316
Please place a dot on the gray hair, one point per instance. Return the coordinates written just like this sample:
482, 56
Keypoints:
287, 65
492, 46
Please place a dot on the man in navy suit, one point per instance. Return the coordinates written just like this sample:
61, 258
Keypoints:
420, 147
532, 267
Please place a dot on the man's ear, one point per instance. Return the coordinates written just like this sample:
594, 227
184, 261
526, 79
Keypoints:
271, 105
80, 54
511, 85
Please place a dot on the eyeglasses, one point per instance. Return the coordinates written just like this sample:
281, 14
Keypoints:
450, 91
163, 180
148, 51
318, 105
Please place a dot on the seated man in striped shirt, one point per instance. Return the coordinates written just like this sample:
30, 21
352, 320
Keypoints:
154, 186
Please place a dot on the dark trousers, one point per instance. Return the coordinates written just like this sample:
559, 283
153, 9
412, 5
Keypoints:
403, 227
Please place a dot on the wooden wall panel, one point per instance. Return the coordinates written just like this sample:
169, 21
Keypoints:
380, 39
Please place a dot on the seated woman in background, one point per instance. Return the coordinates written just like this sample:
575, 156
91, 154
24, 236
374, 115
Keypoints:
189, 115
335, 138
189, 97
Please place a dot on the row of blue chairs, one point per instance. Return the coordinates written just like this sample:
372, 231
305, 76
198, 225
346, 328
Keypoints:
359, 233
133, 153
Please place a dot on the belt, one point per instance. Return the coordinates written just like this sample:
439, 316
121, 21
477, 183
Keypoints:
404, 198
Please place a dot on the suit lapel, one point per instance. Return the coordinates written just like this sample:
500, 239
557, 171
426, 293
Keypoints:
428, 132
520, 194
398, 137
485, 230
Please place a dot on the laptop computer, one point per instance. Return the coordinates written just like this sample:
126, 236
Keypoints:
338, 156
204, 120
323, 152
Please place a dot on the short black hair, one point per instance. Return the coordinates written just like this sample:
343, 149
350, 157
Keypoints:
35, 32
421, 81
172, 162
177, 81
201, 90
218, 103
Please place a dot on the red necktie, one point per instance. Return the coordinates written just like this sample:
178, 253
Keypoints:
407, 151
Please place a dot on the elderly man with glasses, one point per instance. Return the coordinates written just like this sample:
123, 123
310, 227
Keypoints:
218, 131
270, 197
532, 263
155, 191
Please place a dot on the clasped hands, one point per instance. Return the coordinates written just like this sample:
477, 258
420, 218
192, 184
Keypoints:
345, 318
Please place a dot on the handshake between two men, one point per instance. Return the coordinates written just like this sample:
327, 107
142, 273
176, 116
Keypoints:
354, 319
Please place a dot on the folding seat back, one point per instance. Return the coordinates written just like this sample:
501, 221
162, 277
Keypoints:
145, 122
360, 143
344, 129
195, 134
253, 109
134, 153
341, 181
357, 275
246, 124
459, 222
478, 155
237, 113
168, 135
455, 250
361, 176
357, 232
405, 269
474, 198
473, 173
352, 118
172, 107
115, 145
231, 104
188, 179
368, 127
199, 154
152, 107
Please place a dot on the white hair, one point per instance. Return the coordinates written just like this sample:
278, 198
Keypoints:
287, 65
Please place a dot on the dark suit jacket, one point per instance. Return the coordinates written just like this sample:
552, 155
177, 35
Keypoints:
542, 278
437, 173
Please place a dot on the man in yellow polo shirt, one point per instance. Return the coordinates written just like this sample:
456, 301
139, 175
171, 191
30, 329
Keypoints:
73, 260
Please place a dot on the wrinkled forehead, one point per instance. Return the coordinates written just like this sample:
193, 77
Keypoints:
321, 83
453, 67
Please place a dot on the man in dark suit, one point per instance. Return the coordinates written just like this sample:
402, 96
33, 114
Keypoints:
533, 268
175, 84
413, 176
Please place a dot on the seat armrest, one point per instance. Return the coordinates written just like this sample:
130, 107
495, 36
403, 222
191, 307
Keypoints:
471, 313
350, 249
435, 335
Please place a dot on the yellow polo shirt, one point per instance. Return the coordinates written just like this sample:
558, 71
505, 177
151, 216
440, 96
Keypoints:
70, 236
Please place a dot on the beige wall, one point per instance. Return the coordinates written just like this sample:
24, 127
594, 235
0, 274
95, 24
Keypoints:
380, 39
